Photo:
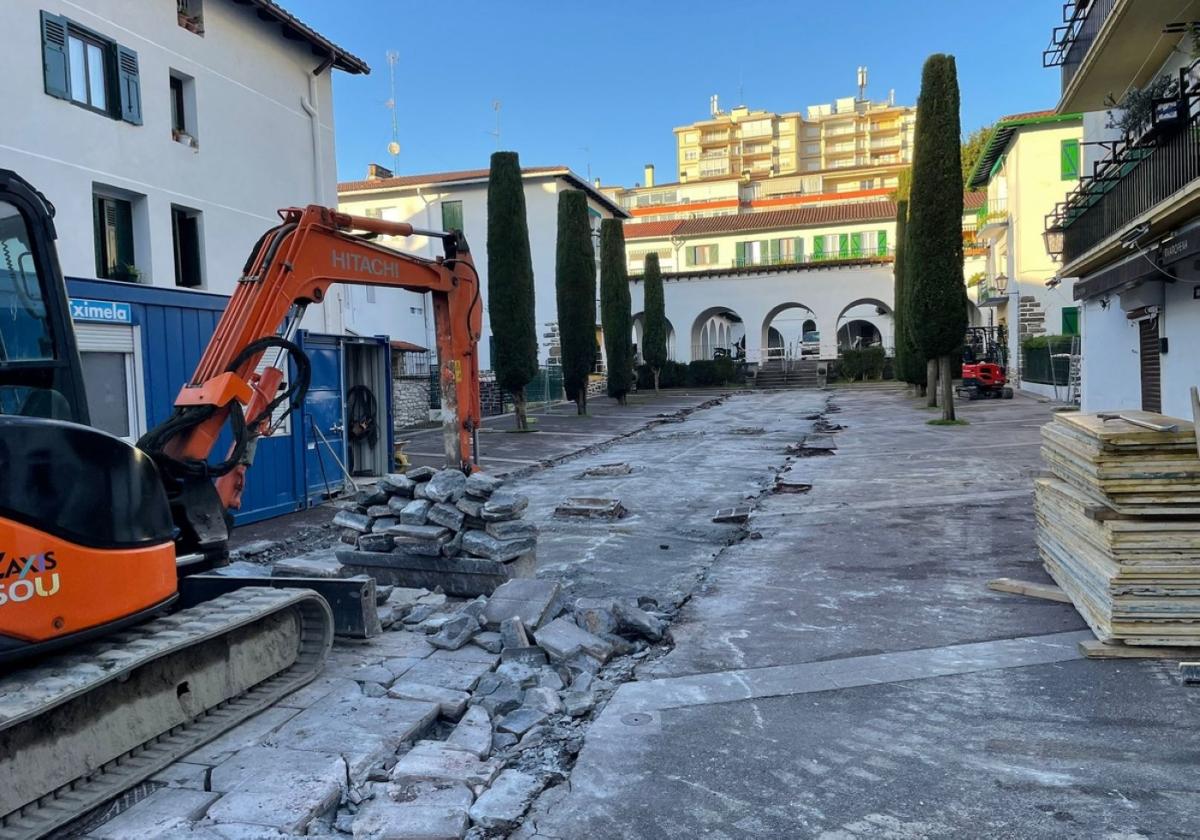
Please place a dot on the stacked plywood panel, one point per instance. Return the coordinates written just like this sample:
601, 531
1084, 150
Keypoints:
1118, 525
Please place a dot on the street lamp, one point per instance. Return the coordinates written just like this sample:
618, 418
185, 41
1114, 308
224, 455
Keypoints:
1052, 234
1001, 283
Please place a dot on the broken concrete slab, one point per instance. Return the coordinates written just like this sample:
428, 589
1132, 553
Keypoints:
521, 720
421, 474
473, 732
359, 728
512, 632
545, 699
376, 511
415, 811
504, 504
446, 515
631, 619
460, 675
446, 486
471, 507
578, 703
461, 577
354, 521
563, 638
499, 808
247, 734
374, 542
270, 769
415, 512
595, 615
497, 695
451, 703
438, 761
512, 529
456, 632
466, 654
317, 690
321, 565
608, 470
489, 641
483, 544
529, 599
735, 515
167, 812
419, 533
183, 774
482, 485
382, 523
531, 655
289, 810
592, 508
397, 484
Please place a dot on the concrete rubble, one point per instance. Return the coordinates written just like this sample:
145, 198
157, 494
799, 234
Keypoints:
446, 725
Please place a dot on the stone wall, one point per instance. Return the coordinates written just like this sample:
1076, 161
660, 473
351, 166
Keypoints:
410, 401
1032, 317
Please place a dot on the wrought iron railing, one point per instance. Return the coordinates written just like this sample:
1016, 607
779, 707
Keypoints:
1138, 175
991, 212
1070, 42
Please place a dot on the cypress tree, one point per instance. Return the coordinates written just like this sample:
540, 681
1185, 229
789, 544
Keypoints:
616, 319
654, 337
898, 310
575, 288
510, 282
936, 298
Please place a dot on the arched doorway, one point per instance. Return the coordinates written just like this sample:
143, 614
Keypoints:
718, 328
866, 323
639, 329
790, 331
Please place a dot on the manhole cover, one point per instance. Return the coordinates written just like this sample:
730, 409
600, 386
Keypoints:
636, 719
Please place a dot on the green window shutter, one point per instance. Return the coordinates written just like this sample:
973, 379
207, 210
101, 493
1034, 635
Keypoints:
452, 215
54, 55
819, 248
881, 245
740, 255
715, 255
775, 249
843, 245
129, 85
1070, 320
856, 244
689, 254
1069, 160
764, 251
797, 249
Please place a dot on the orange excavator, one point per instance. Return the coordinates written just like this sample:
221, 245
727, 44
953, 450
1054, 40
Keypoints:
102, 682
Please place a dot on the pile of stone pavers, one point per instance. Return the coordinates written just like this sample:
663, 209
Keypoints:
447, 726
436, 528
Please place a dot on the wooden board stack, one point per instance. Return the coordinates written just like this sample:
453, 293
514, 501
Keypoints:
1118, 525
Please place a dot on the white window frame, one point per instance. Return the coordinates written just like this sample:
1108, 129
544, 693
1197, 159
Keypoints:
89, 341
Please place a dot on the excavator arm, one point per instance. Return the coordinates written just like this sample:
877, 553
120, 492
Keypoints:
293, 265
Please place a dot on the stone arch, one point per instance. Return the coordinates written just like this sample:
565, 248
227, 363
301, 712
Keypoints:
866, 321
639, 329
785, 339
718, 328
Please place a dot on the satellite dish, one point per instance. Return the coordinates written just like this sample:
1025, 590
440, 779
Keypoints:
393, 148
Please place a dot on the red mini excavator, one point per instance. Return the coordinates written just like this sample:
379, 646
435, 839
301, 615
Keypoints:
104, 684
983, 375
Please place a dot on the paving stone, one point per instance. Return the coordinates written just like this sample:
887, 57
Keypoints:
308, 565
376, 511
582, 682
235, 831
468, 506
504, 504
278, 768
453, 546
633, 619
446, 486
371, 496
488, 640
415, 811
545, 699
466, 654
563, 638
483, 544
290, 810
318, 689
512, 632
420, 474
415, 512
420, 533
354, 521
404, 598
734, 515
382, 523
434, 623
451, 703
595, 615
437, 599
505, 698
419, 613
529, 655
621, 645
397, 484
473, 732
591, 508
582, 662
249, 733
512, 529
400, 665
376, 542
437, 761
168, 812
456, 632
608, 470
550, 678
520, 673
460, 675
482, 485
503, 740
400, 644
577, 703
419, 493
183, 774
529, 599
446, 515
475, 607
349, 536
521, 720
499, 808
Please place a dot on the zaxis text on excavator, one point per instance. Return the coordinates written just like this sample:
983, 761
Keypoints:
103, 683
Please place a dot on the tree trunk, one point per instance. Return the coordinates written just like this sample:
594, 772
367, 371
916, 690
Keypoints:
931, 383
581, 402
946, 380
519, 410
621, 400
656, 372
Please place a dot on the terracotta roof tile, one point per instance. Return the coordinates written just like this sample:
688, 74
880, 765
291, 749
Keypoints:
821, 214
646, 230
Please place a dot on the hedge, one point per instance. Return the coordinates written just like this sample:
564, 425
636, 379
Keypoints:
863, 363
1037, 364
704, 373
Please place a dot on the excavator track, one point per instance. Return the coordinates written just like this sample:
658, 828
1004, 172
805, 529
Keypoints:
81, 728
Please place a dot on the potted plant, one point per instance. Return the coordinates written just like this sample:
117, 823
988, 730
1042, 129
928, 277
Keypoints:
1146, 112
128, 272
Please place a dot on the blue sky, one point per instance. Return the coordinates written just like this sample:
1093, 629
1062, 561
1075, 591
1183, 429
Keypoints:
601, 85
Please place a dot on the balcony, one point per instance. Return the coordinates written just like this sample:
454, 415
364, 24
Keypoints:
1104, 46
852, 254
1141, 181
710, 138
992, 213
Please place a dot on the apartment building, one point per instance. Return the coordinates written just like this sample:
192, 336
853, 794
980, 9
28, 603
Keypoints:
1029, 163
1129, 233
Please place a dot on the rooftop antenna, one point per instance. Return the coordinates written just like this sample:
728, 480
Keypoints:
862, 82
394, 146
587, 151
713, 108
496, 133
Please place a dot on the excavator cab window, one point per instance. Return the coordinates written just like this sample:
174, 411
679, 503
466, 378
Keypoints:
32, 369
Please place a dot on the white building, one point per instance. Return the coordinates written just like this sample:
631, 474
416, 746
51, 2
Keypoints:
1130, 232
168, 134
458, 200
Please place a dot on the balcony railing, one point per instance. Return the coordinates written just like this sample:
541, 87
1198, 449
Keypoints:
992, 212
1137, 176
841, 255
1070, 42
